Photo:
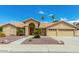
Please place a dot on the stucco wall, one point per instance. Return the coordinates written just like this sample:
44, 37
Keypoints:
26, 31
9, 30
31, 21
27, 26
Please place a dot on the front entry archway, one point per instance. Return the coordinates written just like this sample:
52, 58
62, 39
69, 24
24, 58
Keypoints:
31, 28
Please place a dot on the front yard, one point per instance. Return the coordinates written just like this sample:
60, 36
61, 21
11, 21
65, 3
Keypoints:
71, 44
9, 39
42, 40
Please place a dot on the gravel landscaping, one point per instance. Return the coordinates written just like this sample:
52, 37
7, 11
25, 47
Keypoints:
9, 39
41, 40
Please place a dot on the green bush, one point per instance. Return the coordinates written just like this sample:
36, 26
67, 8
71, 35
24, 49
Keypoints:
1, 29
37, 33
20, 31
2, 34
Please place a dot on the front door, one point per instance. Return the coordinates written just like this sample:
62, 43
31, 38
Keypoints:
31, 31
31, 28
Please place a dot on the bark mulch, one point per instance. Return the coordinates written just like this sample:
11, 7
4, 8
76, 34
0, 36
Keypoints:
46, 40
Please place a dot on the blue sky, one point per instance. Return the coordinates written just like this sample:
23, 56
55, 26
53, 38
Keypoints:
15, 13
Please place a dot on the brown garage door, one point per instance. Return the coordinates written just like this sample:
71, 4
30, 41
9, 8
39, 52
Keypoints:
65, 32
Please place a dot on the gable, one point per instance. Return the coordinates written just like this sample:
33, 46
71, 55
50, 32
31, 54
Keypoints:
31, 19
27, 22
8, 25
62, 25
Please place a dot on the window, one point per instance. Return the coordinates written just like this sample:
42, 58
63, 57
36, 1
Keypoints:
52, 29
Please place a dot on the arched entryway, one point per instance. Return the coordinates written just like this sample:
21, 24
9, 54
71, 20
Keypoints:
31, 28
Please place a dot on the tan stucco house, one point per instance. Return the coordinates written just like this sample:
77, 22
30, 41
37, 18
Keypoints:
60, 28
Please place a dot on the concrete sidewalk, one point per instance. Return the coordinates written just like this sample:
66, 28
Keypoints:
19, 41
39, 48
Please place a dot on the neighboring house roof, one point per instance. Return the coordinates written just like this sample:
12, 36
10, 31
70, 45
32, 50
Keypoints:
19, 25
30, 19
54, 24
77, 24
8, 24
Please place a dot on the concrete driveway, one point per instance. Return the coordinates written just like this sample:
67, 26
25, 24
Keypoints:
67, 40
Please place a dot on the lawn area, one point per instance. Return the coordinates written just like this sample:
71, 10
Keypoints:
42, 40
9, 39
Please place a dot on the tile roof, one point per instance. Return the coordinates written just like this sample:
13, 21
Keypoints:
7, 24
44, 25
63, 22
21, 25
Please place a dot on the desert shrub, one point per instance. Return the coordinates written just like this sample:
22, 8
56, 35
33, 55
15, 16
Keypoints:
30, 40
1, 29
2, 34
37, 33
20, 31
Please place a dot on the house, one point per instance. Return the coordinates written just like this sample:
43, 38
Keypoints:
9, 29
60, 28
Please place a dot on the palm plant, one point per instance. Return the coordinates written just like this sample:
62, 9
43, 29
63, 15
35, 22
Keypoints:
54, 18
42, 18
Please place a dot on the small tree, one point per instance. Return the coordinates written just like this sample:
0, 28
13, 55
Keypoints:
54, 18
20, 31
0, 29
2, 34
55, 21
37, 33
42, 18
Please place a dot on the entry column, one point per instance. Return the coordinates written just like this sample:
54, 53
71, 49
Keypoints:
56, 32
26, 31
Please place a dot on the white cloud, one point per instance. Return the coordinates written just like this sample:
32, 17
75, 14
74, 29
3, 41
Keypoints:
50, 14
41, 12
74, 21
70, 21
63, 19
45, 22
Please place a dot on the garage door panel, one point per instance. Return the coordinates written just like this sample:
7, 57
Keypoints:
77, 33
62, 32
51, 33
65, 33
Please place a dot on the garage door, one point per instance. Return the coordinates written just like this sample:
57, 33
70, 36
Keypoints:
77, 33
51, 32
65, 33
